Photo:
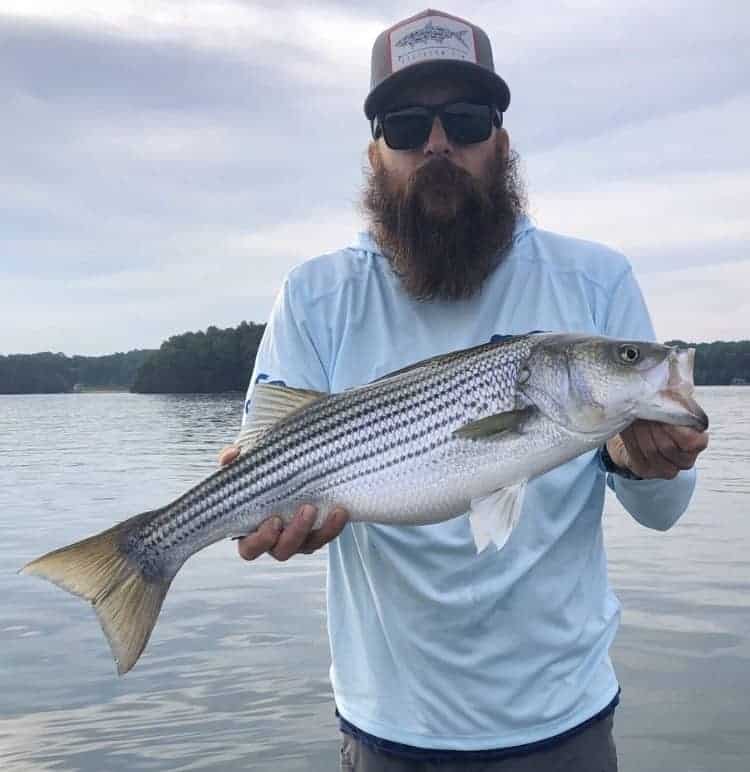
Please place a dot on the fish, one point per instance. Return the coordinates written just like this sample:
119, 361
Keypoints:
432, 33
460, 433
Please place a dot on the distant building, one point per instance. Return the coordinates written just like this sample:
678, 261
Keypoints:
738, 382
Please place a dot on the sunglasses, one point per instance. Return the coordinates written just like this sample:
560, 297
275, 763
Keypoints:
464, 123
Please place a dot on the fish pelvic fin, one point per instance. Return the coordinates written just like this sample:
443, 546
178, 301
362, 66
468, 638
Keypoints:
98, 570
493, 518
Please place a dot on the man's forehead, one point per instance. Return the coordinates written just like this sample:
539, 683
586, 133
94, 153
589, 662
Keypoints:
436, 91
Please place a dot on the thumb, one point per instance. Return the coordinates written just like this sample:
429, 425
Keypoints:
618, 452
228, 454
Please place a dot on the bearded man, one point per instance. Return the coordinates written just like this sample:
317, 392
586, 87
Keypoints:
443, 659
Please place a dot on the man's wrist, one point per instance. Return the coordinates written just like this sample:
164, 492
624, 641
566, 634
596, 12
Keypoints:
613, 468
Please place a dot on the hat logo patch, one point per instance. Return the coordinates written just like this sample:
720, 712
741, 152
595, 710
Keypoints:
431, 33
438, 38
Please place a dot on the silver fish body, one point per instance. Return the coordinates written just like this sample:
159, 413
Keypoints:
418, 446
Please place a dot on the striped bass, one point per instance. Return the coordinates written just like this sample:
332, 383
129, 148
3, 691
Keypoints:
462, 432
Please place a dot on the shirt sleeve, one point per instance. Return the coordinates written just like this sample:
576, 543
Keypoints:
656, 504
288, 354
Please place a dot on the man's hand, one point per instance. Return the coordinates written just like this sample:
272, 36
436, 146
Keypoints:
298, 536
655, 450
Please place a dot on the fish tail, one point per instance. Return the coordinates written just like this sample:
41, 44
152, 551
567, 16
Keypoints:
99, 570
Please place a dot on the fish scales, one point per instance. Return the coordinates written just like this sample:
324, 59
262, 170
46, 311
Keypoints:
438, 411
364, 432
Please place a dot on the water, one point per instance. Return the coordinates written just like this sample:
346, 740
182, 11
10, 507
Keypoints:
235, 677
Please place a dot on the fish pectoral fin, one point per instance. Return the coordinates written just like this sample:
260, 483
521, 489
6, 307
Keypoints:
269, 404
492, 425
493, 518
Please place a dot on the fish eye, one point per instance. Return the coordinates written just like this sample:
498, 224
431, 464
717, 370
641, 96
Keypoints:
629, 354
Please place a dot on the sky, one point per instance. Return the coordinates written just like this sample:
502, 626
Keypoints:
164, 163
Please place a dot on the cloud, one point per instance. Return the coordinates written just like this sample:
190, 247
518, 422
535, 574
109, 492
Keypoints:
168, 162
587, 68
704, 140
657, 216
219, 278
701, 303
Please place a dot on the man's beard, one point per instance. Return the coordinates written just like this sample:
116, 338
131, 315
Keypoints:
445, 231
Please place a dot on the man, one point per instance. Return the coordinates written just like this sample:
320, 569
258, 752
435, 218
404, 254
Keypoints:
442, 658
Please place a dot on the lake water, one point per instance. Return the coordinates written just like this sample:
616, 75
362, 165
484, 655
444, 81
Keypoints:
236, 674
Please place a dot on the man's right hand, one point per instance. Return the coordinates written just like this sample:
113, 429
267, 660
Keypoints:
298, 536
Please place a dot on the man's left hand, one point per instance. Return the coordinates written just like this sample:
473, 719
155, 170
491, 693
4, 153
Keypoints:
654, 450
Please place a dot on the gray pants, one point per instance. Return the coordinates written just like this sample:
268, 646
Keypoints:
590, 750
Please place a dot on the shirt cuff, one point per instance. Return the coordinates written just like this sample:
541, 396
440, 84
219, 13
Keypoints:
609, 466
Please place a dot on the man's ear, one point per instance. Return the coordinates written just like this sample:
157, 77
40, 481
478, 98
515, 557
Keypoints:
372, 154
503, 143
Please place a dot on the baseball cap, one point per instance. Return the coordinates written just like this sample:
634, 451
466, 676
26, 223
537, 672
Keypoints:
432, 43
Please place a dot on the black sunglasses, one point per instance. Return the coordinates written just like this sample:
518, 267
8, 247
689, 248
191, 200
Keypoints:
464, 123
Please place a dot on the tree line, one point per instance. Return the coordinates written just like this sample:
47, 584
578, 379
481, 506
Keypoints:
720, 363
222, 359
49, 373
202, 362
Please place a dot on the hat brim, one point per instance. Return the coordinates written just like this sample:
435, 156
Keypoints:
384, 92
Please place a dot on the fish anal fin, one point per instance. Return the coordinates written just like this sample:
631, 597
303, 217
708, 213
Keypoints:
493, 518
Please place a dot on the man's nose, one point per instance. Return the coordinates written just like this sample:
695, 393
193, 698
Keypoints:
438, 142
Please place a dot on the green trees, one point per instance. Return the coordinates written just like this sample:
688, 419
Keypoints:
47, 373
211, 361
222, 360
43, 373
720, 363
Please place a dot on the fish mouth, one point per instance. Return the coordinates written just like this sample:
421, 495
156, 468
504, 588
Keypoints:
683, 410
676, 404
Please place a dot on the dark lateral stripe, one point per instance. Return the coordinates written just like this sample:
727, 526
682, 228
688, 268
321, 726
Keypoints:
340, 429
357, 437
351, 421
291, 493
328, 423
307, 474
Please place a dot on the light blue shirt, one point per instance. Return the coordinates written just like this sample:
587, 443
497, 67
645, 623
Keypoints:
433, 645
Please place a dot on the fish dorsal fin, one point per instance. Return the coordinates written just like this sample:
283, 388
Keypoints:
493, 518
493, 425
269, 404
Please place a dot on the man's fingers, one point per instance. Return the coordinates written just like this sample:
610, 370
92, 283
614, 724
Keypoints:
658, 450
668, 455
330, 529
283, 542
294, 535
646, 451
636, 459
686, 439
262, 540
668, 445
228, 454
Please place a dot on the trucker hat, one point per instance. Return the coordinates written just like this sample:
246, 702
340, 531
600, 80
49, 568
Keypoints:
431, 43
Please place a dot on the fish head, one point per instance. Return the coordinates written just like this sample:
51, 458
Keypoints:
598, 386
